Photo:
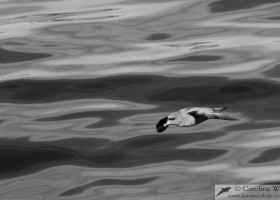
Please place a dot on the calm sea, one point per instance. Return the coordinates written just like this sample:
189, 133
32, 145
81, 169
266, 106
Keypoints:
83, 84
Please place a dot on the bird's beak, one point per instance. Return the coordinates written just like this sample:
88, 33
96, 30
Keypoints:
162, 125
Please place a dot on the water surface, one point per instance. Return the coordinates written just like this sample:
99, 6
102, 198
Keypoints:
83, 85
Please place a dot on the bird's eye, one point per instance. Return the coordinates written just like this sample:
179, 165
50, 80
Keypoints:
171, 118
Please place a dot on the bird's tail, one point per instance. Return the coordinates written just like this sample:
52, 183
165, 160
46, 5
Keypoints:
221, 116
218, 110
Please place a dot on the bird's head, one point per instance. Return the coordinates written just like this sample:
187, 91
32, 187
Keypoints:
171, 119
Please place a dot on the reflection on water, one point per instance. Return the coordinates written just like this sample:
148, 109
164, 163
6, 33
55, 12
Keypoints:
83, 85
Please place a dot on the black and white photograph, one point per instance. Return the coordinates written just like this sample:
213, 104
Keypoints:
139, 99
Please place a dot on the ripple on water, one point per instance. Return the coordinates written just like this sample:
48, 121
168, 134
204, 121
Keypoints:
83, 84
21, 156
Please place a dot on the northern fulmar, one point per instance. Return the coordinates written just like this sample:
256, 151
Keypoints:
191, 116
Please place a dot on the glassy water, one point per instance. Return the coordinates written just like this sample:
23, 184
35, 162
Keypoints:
83, 84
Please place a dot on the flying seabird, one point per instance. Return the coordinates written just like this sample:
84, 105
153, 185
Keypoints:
191, 116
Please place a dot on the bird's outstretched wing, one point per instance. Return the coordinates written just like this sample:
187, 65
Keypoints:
197, 114
220, 116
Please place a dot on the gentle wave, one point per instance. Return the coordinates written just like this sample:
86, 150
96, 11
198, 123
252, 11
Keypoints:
83, 85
